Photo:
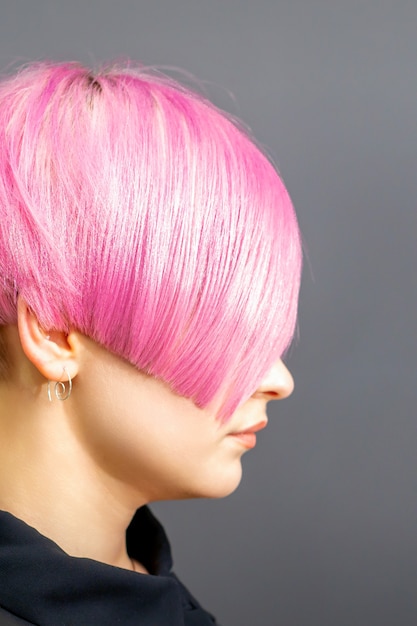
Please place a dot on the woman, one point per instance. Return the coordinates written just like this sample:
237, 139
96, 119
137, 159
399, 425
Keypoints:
150, 265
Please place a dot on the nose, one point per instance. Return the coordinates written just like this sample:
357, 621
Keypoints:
277, 384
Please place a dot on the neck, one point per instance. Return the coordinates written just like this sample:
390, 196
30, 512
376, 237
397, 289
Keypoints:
48, 481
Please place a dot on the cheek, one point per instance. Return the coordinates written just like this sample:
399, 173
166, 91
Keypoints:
159, 445
161, 461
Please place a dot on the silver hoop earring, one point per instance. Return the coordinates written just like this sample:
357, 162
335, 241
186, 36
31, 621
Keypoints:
60, 389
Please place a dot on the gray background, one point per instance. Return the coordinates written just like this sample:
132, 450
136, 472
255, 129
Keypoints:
322, 530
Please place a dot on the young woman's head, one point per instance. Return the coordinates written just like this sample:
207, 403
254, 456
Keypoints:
134, 211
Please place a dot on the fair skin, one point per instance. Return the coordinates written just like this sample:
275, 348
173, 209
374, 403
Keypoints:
77, 470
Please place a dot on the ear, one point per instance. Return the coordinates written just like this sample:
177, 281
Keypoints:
52, 352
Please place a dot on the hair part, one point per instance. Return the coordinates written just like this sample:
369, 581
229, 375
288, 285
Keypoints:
136, 212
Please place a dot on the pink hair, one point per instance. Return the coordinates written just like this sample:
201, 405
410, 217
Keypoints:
136, 212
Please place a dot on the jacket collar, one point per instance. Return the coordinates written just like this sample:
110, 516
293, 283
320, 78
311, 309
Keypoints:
42, 581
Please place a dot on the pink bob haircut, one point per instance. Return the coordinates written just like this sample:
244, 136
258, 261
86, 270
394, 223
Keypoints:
136, 212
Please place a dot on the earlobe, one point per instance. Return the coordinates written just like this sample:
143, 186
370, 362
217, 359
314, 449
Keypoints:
50, 351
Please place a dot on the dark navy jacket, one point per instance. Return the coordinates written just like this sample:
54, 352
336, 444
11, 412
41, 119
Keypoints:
42, 585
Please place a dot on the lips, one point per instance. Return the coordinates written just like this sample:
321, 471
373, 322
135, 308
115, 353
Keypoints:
247, 437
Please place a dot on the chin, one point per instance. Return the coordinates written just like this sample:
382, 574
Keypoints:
220, 486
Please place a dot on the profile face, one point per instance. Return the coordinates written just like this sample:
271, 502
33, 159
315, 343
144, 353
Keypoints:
177, 249
155, 443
